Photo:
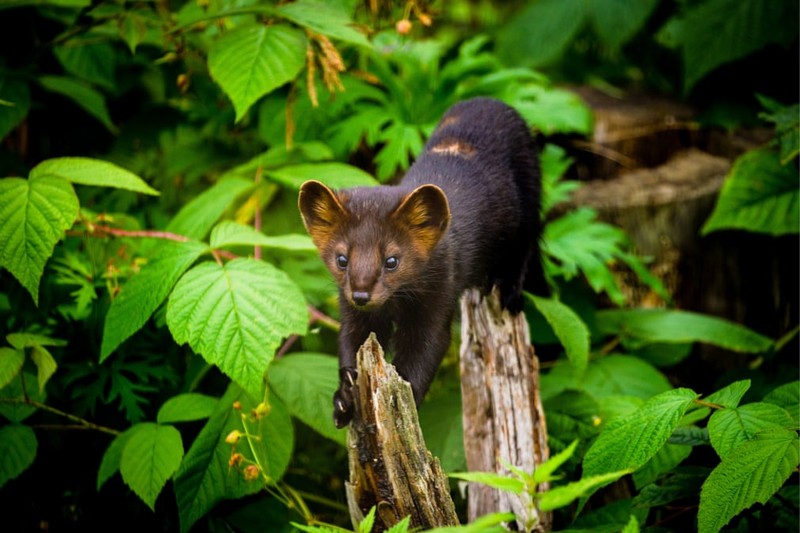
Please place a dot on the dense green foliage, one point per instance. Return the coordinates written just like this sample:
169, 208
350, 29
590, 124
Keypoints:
158, 292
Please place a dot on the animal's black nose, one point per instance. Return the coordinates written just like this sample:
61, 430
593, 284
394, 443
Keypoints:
360, 297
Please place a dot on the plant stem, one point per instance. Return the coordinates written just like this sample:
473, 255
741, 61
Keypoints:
82, 422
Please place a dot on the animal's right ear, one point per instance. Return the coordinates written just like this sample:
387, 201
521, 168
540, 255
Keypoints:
321, 210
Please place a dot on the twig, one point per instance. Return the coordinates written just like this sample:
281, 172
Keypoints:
82, 422
102, 231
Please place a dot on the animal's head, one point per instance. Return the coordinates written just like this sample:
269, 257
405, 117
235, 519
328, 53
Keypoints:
374, 240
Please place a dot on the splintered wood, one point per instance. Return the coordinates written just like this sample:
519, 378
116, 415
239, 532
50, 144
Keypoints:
390, 467
503, 417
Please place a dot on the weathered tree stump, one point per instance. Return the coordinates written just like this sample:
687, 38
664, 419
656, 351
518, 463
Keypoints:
390, 466
503, 417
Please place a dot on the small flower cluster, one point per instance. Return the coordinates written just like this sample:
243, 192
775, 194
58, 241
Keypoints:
250, 470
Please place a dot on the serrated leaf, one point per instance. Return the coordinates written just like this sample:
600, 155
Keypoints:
730, 395
401, 143
18, 447
11, 362
552, 110
187, 407
671, 326
568, 327
149, 458
306, 383
788, 397
196, 218
336, 175
683, 483
88, 171
689, 436
751, 474
629, 442
665, 460
327, 18
759, 195
235, 316
558, 497
544, 471
623, 375
34, 216
729, 428
88, 98
616, 21
254, 60
230, 233
141, 295
205, 476
109, 464
491, 479
15, 102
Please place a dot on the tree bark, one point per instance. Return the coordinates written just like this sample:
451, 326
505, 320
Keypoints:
503, 417
390, 466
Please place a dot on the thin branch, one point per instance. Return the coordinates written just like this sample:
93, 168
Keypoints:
82, 422
102, 231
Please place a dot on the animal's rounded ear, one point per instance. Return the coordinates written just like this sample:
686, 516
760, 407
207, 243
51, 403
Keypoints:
319, 205
425, 207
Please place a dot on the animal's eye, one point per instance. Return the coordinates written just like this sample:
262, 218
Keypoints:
391, 263
341, 261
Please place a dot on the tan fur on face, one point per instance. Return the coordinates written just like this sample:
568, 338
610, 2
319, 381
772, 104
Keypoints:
322, 212
425, 215
454, 147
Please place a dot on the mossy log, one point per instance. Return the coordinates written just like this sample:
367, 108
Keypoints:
390, 466
504, 421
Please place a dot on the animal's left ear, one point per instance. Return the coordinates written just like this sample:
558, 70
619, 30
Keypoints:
425, 213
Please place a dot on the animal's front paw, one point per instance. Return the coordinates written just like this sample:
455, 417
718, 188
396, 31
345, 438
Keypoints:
343, 400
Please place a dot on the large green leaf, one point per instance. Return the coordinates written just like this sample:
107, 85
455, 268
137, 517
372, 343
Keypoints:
17, 451
306, 383
719, 31
563, 495
187, 407
92, 62
230, 233
87, 171
629, 442
788, 397
109, 464
568, 327
616, 21
141, 295
441, 423
729, 428
11, 361
759, 195
665, 460
150, 457
235, 316
336, 175
752, 473
327, 18
205, 476
34, 215
731, 395
87, 97
253, 60
196, 218
15, 102
671, 326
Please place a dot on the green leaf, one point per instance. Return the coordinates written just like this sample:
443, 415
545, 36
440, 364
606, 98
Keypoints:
336, 175
787, 126
15, 102
197, 217
34, 216
752, 473
684, 483
230, 233
401, 142
93, 62
132, 29
18, 411
235, 316
109, 464
205, 476
731, 395
87, 171
254, 60
327, 18
729, 428
632, 526
18, 446
670, 326
540, 32
45, 365
716, 32
544, 471
88, 98
306, 383
551, 110
759, 195
617, 21
491, 479
788, 397
558, 497
21, 341
441, 422
665, 460
150, 457
187, 407
568, 327
11, 362
629, 442
623, 375
141, 295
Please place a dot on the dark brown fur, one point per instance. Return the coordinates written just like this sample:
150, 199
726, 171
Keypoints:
466, 214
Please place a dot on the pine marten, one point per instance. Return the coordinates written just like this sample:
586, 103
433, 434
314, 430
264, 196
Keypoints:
466, 214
